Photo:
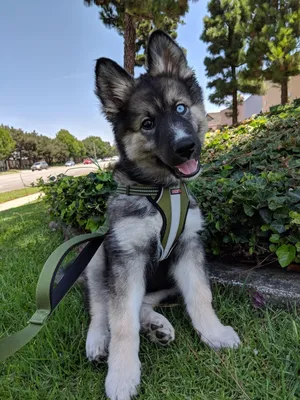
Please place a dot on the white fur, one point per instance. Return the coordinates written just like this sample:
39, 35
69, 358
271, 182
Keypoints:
98, 334
124, 310
191, 279
179, 132
133, 232
123, 362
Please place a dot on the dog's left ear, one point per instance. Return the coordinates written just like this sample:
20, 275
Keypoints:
165, 57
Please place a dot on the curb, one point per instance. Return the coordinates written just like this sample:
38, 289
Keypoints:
21, 201
268, 286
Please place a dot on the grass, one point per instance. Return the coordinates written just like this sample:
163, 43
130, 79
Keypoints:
10, 171
16, 194
53, 365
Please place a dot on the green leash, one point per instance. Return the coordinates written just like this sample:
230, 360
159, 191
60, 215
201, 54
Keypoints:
47, 296
173, 205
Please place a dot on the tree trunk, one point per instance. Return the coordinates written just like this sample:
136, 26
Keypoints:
129, 43
284, 91
234, 107
234, 98
20, 159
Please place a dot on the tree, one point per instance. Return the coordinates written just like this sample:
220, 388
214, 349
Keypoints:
75, 147
225, 32
126, 15
25, 145
274, 31
229, 105
97, 148
145, 27
59, 151
7, 144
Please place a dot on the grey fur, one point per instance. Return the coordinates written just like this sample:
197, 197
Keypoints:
125, 278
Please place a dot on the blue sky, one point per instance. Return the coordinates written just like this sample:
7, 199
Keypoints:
46, 71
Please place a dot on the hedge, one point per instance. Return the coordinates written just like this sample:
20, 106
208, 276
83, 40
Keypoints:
79, 201
249, 191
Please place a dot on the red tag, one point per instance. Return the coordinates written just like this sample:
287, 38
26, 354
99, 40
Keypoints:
176, 191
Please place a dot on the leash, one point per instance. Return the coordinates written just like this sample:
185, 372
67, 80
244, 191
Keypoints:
49, 295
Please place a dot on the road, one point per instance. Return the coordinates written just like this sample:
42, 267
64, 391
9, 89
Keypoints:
21, 179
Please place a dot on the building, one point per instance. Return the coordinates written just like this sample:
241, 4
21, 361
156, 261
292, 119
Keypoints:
216, 120
255, 104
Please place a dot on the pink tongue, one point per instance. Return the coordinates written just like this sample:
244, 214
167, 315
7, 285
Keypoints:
188, 167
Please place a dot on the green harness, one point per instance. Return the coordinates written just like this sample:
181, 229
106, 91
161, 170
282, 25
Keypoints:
172, 203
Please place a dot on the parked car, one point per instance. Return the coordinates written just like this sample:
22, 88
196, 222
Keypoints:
70, 163
87, 161
38, 166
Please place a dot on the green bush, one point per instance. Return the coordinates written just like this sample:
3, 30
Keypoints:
79, 201
249, 190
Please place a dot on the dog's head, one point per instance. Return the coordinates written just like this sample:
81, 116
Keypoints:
158, 119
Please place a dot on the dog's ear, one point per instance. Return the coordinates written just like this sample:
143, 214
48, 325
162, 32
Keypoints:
165, 57
113, 85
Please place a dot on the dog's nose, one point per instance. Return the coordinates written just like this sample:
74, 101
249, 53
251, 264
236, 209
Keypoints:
185, 147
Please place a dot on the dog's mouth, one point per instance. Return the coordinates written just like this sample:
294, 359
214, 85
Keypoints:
188, 169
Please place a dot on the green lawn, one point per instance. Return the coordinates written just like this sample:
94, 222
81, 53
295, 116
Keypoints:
16, 194
10, 171
53, 365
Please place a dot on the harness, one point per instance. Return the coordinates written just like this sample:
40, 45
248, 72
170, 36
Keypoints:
172, 203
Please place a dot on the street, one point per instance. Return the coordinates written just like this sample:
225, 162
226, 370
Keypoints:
21, 179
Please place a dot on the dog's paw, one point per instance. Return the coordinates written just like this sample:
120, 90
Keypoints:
96, 346
159, 329
222, 337
122, 380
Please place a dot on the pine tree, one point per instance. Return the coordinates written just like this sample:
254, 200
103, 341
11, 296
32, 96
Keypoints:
225, 32
132, 19
146, 27
274, 42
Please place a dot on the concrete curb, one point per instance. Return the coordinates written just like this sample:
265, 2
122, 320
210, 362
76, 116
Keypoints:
20, 202
271, 285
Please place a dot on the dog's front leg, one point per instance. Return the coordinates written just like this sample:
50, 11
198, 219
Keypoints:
127, 289
189, 273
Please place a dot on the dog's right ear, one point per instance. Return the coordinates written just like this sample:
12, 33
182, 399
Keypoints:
113, 85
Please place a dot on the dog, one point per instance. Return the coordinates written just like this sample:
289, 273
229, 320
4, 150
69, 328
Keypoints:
159, 123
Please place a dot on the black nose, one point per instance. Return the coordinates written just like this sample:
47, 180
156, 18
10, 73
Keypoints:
185, 147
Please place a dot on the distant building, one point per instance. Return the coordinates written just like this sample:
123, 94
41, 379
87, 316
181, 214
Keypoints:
216, 120
255, 104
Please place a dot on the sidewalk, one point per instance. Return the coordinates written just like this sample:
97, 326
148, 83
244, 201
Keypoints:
20, 202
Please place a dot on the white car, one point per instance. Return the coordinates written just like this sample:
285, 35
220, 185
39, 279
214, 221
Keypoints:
38, 166
70, 163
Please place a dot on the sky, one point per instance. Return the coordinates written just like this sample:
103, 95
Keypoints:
48, 52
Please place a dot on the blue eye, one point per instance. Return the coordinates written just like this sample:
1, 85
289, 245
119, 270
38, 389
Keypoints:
181, 109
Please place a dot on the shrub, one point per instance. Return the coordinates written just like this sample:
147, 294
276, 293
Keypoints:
249, 190
79, 201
